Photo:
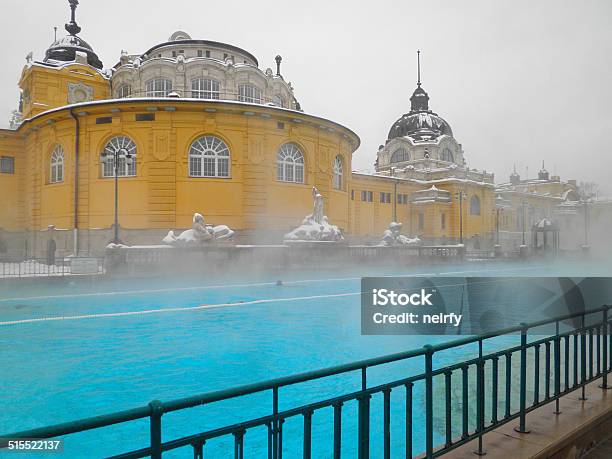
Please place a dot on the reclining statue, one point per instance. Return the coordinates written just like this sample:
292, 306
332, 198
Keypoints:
393, 237
199, 234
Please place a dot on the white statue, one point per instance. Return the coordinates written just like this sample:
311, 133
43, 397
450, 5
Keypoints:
315, 227
199, 233
393, 237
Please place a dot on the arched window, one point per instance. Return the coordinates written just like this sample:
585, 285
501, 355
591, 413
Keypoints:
447, 155
159, 87
249, 93
57, 165
290, 164
338, 169
202, 88
278, 101
399, 155
475, 205
125, 90
209, 156
125, 147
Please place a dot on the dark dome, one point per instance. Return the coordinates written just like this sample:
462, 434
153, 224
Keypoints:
65, 49
420, 123
424, 125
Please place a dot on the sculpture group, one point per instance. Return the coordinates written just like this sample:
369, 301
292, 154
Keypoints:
200, 233
315, 227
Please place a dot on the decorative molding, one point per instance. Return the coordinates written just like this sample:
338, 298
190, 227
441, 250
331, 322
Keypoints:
79, 92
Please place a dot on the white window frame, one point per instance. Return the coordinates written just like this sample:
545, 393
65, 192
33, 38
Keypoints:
56, 174
209, 156
108, 165
124, 91
249, 93
205, 88
158, 87
290, 164
400, 152
447, 155
338, 171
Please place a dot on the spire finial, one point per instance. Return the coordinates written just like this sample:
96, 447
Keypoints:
542, 164
72, 27
419, 67
278, 59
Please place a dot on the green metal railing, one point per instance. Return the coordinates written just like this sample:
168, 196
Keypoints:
576, 356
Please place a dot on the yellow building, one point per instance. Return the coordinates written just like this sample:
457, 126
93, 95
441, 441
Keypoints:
198, 127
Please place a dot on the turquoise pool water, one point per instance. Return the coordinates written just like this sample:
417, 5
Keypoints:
114, 345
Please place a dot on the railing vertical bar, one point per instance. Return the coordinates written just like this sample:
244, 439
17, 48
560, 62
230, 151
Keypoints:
508, 382
447, 397
275, 424
307, 434
583, 358
536, 374
155, 428
495, 390
464, 401
576, 381
557, 370
605, 366
428, 401
364, 426
591, 353
239, 444
480, 399
409, 419
337, 430
521, 428
198, 449
387, 423
598, 349
547, 371
567, 362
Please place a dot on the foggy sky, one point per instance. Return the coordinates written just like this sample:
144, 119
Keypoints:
518, 81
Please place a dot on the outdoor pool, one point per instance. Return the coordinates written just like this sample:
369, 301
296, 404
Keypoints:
71, 349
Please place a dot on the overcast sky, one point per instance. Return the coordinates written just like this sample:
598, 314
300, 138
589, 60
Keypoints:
518, 81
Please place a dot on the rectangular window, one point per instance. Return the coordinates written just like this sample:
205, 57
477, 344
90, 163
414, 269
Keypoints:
370, 196
248, 93
385, 197
7, 165
352, 195
207, 53
200, 54
364, 196
204, 89
173, 53
145, 116
421, 221
104, 120
224, 56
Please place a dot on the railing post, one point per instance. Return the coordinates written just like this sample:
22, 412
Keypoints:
521, 428
275, 425
428, 401
557, 348
583, 359
605, 366
157, 409
480, 400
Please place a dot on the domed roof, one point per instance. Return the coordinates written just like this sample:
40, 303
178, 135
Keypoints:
420, 123
65, 49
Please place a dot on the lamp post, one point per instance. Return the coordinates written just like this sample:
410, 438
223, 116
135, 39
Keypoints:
114, 157
585, 246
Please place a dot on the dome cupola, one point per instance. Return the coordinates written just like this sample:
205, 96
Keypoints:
65, 49
420, 123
